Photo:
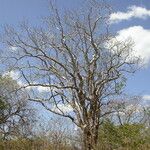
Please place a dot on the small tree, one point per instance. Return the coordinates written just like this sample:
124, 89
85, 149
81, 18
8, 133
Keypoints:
128, 110
75, 59
15, 119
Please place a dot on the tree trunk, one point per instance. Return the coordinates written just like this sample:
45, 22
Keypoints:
90, 139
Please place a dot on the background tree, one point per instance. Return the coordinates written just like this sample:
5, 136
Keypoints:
127, 126
57, 132
15, 112
128, 110
76, 61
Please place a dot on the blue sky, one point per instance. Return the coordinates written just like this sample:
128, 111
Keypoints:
14, 11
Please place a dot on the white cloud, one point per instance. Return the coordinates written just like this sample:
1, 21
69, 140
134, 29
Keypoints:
46, 88
141, 39
64, 108
133, 12
13, 74
13, 48
76, 128
43, 89
146, 97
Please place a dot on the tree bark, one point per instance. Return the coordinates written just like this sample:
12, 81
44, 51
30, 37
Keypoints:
90, 139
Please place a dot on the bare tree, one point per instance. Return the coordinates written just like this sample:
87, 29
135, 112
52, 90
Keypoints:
15, 113
75, 59
127, 110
